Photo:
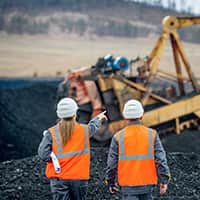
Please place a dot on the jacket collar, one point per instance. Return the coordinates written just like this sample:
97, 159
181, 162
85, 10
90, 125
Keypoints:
131, 122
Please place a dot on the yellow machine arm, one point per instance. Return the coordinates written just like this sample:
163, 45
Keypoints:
172, 23
170, 26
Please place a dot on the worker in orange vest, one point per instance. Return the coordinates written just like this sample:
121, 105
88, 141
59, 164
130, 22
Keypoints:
136, 158
66, 149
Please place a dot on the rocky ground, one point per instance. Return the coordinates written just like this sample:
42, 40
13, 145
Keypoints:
24, 178
22, 172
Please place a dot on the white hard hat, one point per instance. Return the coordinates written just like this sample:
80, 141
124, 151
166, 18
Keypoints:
133, 109
66, 108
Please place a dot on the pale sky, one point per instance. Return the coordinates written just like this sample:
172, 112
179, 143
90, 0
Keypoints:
180, 4
194, 4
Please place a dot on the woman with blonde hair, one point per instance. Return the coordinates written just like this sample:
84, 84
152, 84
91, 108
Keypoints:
66, 149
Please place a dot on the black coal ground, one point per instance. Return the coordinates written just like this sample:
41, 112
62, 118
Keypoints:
24, 178
28, 107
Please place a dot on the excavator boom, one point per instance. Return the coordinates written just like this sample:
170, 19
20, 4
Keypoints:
172, 23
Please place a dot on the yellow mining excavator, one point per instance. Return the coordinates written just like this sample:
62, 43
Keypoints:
171, 101
180, 112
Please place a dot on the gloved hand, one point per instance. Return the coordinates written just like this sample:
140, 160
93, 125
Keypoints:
163, 188
113, 188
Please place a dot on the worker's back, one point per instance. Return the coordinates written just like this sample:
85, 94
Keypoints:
136, 165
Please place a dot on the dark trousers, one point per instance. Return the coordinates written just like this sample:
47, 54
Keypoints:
147, 196
68, 189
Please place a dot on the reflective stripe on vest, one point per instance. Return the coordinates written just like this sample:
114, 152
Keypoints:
60, 154
150, 155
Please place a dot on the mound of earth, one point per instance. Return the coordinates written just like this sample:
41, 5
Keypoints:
27, 109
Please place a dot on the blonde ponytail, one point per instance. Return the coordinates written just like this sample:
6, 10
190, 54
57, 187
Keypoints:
66, 127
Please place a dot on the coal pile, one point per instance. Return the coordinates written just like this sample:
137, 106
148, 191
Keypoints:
188, 141
24, 178
27, 107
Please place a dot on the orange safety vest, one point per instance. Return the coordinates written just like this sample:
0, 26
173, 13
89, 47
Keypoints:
136, 164
74, 157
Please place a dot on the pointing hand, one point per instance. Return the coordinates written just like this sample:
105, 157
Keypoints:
102, 116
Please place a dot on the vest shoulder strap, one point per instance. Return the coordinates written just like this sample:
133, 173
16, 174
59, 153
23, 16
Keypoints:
61, 154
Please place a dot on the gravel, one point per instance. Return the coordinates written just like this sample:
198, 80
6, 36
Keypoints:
25, 179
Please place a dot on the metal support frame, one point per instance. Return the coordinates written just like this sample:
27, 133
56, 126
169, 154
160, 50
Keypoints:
170, 26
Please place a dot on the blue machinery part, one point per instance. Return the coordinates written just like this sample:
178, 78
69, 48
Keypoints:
120, 63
